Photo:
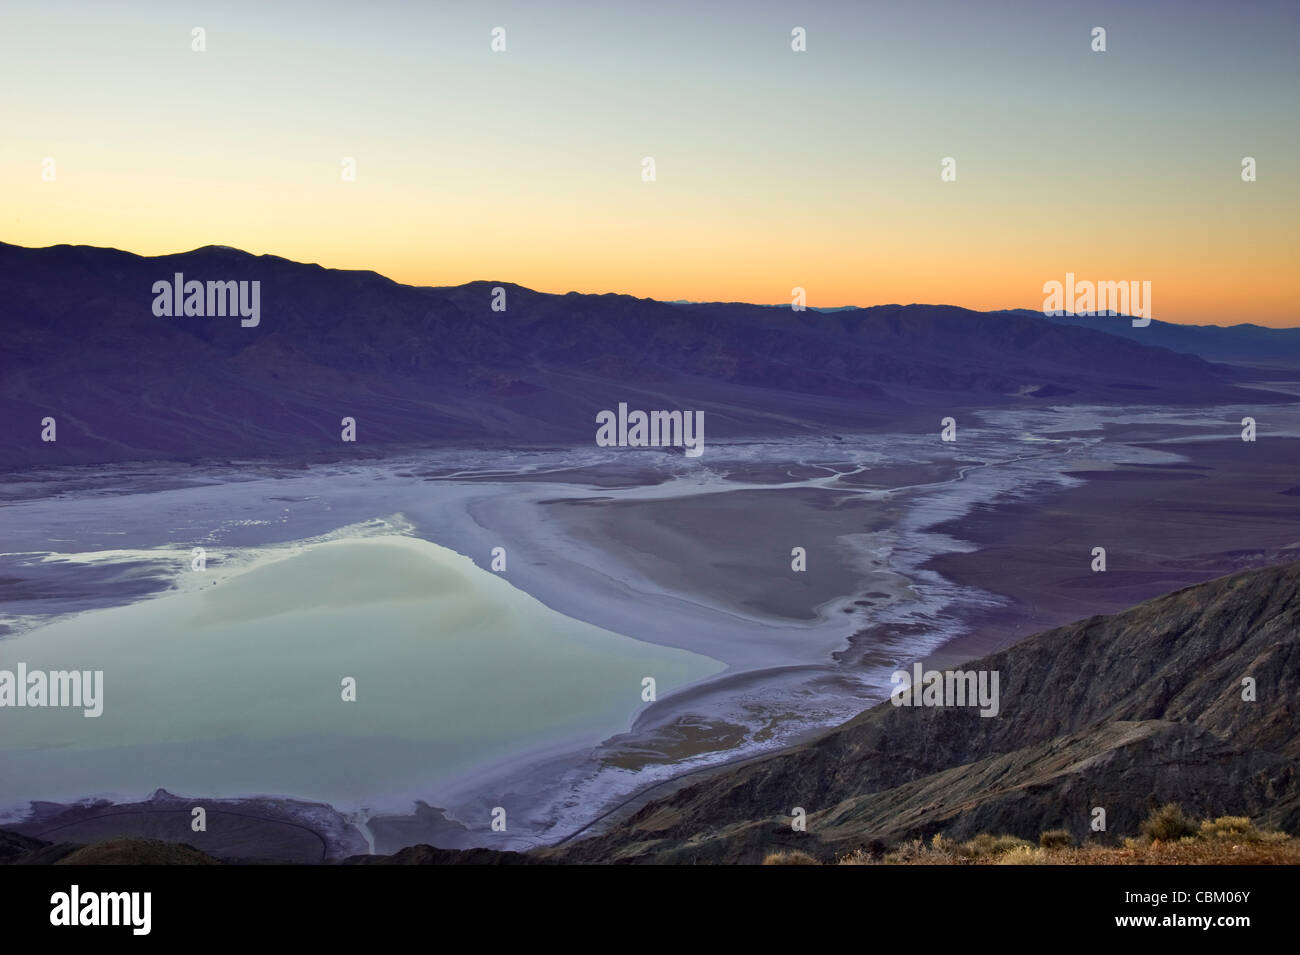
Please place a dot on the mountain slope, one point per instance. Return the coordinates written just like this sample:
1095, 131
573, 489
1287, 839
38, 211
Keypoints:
439, 366
1245, 343
1124, 712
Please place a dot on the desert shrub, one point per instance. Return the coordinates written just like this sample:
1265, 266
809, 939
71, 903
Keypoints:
869, 854
914, 851
989, 845
1055, 839
1238, 828
789, 857
941, 850
1169, 824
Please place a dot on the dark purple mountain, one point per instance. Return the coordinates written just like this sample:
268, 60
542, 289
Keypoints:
82, 344
1243, 343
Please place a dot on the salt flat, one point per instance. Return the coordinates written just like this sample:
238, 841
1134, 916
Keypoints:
235, 687
328, 570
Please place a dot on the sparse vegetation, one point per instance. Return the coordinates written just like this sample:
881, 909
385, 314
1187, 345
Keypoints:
1055, 839
1239, 828
941, 851
1169, 837
125, 851
789, 857
986, 845
1168, 824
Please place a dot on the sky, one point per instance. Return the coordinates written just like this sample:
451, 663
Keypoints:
774, 169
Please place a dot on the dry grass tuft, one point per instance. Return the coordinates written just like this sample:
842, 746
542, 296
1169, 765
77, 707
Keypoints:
789, 857
1169, 837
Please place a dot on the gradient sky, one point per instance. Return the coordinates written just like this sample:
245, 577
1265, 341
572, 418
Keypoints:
775, 169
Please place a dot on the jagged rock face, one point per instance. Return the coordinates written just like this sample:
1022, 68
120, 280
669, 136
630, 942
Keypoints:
1123, 712
14, 846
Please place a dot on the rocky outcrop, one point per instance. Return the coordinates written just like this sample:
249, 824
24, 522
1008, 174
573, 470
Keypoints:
1122, 712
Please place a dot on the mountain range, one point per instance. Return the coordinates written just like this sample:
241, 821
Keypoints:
1243, 343
437, 365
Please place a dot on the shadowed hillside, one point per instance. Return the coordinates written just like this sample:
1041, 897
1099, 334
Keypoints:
1245, 343
1124, 712
439, 366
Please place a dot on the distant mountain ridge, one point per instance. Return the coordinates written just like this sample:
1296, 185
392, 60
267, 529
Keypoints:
428, 366
1245, 342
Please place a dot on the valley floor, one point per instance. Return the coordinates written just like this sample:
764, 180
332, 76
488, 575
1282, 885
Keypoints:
915, 550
